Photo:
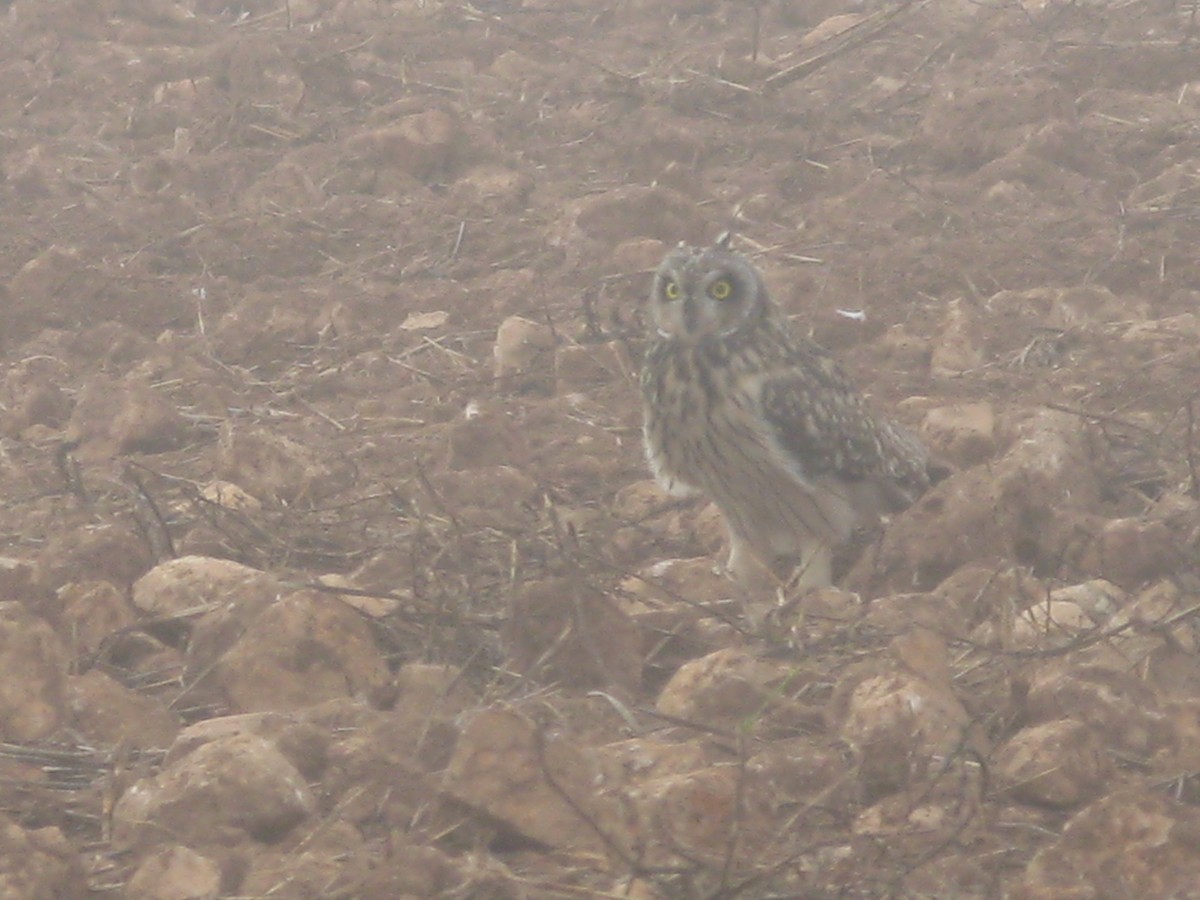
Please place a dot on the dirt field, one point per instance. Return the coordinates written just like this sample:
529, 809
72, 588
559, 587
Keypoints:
331, 566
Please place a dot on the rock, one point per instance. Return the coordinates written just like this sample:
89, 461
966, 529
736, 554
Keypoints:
1098, 599
636, 501
39, 862
228, 495
305, 746
190, 585
309, 861
964, 434
33, 670
1132, 843
417, 871
102, 552
1121, 708
694, 814
1022, 509
958, 348
1059, 764
173, 872
1057, 623
724, 688
523, 355
902, 726
670, 603
32, 394
109, 714
1133, 551
112, 418
567, 633
24, 581
374, 606
91, 612
502, 767
223, 793
275, 468
299, 650
915, 823
829, 28
1087, 304
695, 810
981, 593
427, 694
383, 767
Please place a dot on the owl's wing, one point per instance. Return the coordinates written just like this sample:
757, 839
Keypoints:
822, 426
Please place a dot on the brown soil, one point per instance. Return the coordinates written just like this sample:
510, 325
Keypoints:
254, 257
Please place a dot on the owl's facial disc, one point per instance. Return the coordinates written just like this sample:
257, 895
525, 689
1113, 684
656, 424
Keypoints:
702, 293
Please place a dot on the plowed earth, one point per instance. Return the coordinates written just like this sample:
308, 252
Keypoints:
254, 260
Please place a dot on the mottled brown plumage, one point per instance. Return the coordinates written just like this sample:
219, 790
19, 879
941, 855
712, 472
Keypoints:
762, 421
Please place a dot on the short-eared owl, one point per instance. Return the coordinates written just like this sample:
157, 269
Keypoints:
763, 421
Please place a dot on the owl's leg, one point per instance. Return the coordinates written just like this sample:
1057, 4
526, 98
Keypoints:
745, 566
758, 584
816, 567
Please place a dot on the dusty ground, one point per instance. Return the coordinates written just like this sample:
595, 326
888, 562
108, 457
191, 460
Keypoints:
254, 260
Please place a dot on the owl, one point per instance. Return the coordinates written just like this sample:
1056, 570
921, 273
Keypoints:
763, 422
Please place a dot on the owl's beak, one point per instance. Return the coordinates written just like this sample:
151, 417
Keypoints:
689, 314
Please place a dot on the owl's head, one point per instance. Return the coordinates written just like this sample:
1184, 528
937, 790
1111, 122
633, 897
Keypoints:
706, 292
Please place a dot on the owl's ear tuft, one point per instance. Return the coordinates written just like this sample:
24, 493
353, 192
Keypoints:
724, 239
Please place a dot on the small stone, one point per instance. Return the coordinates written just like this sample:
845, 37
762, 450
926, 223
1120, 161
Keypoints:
228, 495
275, 468
724, 688
91, 612
40, 862
112, 418
1132, 843
172, 872
1121, 708
108, 713
1060, 764
901, 725
1053, 624
33, 673
21, 579
1132, 551
957, 348
301, 649
502, 766
523, 354
964, 434
190, 584
101, 552
224, 792
637, 500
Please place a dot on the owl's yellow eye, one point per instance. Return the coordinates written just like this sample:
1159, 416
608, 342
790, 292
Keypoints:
720, 289
671, 290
